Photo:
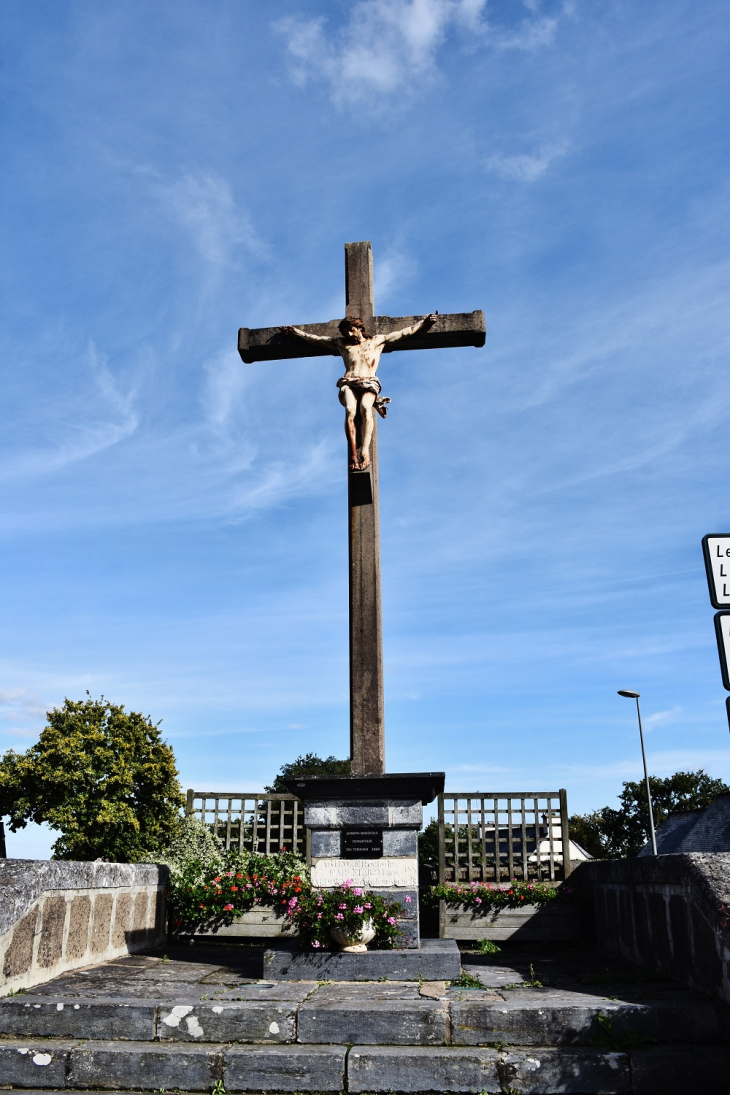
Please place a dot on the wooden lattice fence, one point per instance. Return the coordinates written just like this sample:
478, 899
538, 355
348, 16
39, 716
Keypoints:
262, 823
490, 837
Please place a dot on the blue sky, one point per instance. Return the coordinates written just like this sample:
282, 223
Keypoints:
174, 522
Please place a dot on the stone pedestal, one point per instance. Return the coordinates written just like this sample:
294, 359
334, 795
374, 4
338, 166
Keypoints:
365, 829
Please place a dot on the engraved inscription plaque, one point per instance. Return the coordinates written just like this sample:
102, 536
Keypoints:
373, 874
361, 843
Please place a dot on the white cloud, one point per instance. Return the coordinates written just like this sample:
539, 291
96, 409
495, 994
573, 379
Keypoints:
90, 423
203, 204
383, 47
524, 167
388, 45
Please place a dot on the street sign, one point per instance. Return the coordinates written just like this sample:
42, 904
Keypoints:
722, 630
716, 548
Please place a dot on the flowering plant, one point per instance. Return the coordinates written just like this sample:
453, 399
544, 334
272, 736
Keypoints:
485, 896
317, 912
210, 886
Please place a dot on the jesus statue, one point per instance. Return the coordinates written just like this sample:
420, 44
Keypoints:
360, 387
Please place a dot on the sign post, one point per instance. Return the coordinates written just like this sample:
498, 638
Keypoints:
722, 630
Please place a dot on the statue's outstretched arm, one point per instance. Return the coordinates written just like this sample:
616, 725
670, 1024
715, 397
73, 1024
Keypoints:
427, 321
308, 337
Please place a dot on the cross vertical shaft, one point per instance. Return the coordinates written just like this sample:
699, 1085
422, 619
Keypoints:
367, 711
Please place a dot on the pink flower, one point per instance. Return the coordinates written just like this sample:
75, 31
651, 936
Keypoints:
358, 909
479, 901
391, 920
229, 874
346, 884
357, 892
408, 900
339, 917
319, 916
343, 906
316, 943
367, 905
227, 908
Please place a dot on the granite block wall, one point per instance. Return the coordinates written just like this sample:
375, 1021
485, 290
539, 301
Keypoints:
58, 916
668, 912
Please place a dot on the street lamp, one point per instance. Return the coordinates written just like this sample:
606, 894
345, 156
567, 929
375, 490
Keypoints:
635, 696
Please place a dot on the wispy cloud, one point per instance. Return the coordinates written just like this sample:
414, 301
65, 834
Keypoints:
87, 424
524, 167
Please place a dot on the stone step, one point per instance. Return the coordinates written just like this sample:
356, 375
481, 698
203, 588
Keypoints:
372, 1013
61, 1065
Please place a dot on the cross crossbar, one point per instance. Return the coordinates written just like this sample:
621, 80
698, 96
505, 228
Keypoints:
274, 344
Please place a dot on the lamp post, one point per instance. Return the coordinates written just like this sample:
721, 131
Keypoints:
635, 696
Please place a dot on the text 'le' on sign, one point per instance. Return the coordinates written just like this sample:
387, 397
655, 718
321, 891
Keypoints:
716, 548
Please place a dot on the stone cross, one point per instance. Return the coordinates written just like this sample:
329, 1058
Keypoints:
367, 718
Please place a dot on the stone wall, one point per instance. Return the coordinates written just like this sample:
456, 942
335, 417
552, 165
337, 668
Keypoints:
58, 916
669, 912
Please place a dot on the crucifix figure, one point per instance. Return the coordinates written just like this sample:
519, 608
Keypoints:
360, 339
360, 387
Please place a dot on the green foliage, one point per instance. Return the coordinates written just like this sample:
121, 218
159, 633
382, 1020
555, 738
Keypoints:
488, 946
210, 887
309, 764
618, 834
485, 896
348, 908
101, 776
466, 980
428, 844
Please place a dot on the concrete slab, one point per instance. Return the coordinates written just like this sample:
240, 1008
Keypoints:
435, 960
569, 1071
294, 1068
372, 1013
34, 1063
678, 1070
74, 1018
544, 1016
415, 1069
262, 1022
139, 1065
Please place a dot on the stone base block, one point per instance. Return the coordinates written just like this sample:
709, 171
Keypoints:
435, 960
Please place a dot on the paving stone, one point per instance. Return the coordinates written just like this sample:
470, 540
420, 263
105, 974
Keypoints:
143, 1065
290, 1068
229, 1022
677, 1070
289, 991
542, 1071
372, 1013
34, 1063
435, 960
494, 977
72, 1018
416, 1069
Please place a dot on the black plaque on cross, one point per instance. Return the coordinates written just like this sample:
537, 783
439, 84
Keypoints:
367, 716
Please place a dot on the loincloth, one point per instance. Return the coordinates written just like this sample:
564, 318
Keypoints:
361, 384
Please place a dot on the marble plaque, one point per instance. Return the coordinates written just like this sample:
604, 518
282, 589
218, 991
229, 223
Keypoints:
372, 874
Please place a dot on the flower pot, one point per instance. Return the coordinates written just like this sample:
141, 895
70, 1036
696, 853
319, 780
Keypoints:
354, 943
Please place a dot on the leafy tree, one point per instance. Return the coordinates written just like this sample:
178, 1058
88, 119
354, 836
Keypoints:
618, 834
309, 764
428, 844
102, 776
